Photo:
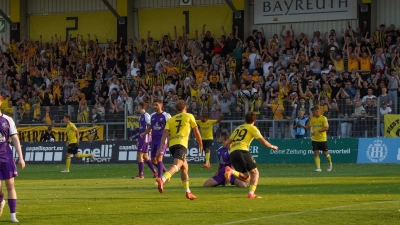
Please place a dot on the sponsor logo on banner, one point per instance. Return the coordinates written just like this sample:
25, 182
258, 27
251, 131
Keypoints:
392, 125
377, 152
43, 152
284, 11
127, 153
103, 154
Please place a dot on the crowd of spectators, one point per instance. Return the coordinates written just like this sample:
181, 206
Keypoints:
346, 73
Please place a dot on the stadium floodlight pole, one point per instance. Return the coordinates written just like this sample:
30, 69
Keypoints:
6, 18
113, 11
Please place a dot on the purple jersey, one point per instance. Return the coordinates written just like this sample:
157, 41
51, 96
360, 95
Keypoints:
143, 121
224, 159
7, 130
157, 124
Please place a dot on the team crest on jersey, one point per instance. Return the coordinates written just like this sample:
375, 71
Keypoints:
161, 119
4, 125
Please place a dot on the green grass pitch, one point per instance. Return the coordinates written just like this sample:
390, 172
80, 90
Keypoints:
292, 194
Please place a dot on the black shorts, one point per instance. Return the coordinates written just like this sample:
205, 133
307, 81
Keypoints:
72, 148
242, 161
316, 145
207, 144
178, 152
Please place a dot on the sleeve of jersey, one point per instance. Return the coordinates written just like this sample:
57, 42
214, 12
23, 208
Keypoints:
147, 119
167, 116
256, 133
167, 125
13, 128
192, 121
326, 124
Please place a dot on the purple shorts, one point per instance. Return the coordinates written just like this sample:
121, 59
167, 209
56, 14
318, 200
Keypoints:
143, 147
8, 169
154, 148
220, 178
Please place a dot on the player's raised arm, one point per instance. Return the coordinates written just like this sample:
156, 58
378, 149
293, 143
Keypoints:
198, 138
267, 144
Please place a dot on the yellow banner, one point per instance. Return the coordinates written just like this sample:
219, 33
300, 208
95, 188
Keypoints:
214, 17
33, 134
132, 121
101, 23
392, 125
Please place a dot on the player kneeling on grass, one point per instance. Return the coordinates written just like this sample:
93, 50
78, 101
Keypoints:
224, 160
241, 158
8, 169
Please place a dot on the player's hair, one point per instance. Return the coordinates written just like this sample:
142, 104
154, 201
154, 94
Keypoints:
204, 115
158, 101
315, 108
180, 105
143, 106
225, 135
250, 117
67, 116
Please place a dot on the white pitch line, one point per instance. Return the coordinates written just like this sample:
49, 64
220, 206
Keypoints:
306, 211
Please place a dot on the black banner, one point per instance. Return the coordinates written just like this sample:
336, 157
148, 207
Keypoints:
105, 152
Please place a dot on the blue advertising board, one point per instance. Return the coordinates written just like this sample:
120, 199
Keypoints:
378, 150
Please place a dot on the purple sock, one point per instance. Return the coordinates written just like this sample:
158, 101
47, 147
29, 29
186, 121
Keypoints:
1, 197
160, 169
12, 203
141, 167
150, 164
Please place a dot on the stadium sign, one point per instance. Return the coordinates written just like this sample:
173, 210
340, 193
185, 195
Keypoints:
294, 151
378, 150
288, 11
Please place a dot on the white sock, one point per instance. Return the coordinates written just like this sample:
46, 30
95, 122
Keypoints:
187, 190
13, 215
251, 192
163, 178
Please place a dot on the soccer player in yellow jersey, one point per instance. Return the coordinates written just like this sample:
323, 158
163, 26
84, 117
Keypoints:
177, 131
72, 143
241, 159
206, 130
319, 126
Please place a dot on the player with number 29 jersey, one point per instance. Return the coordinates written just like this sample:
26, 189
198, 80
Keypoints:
179, 127
242, 137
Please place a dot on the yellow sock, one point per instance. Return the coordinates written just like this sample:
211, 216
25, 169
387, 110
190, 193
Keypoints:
167, 175
328, 158
80, 156
207, 158
317, 162
186, 185
68, 163
252, 188
235, 173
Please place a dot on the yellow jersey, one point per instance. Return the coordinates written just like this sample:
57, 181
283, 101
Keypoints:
179, 127
71, 135
317, 124
242, 137
206, 129
352, 64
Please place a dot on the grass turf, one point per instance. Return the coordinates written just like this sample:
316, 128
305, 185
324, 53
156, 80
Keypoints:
292, 194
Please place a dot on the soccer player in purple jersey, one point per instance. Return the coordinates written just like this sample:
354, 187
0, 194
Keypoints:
156, 127
224, 160
8, 169
143, 142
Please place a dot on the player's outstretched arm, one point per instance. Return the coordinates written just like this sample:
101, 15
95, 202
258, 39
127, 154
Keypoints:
17, 146
198, 138
267, 144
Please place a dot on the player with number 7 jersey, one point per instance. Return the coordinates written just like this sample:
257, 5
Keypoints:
244, 165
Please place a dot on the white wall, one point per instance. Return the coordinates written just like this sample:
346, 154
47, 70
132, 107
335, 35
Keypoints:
388, 13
